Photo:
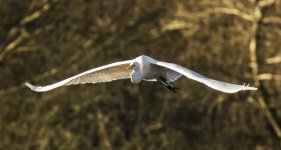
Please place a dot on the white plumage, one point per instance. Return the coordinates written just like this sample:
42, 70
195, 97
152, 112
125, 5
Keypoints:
142, 68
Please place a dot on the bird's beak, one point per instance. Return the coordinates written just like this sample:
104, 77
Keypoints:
129, 67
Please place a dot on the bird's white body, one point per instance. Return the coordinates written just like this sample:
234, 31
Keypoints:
142, 68
142, 72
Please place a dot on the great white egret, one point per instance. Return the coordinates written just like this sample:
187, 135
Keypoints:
142, 68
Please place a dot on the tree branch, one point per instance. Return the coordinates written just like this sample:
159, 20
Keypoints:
257, 15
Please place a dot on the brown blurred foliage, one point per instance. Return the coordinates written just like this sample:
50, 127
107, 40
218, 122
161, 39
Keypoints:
44, 41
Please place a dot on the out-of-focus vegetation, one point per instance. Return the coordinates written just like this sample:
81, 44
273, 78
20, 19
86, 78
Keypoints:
232, 40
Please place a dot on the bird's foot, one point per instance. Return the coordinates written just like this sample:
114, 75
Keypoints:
168, 85
173, 88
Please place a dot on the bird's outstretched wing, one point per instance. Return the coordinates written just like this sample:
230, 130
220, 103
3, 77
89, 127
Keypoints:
105, 73
218, 85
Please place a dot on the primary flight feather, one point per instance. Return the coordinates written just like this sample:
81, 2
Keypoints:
142, 68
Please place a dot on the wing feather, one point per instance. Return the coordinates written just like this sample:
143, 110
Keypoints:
105, 73
215, 84
172, 75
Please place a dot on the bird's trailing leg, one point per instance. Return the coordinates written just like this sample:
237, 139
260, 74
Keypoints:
168, 85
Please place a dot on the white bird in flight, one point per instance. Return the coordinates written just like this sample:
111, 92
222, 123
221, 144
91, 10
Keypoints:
142, 68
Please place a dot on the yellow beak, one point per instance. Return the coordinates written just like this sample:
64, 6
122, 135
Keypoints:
129, 67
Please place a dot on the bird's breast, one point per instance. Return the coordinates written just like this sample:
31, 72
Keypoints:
136, 77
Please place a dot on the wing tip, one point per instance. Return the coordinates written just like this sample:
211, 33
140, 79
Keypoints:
243, 88
251, 88
32, 87
248, 87
29, 85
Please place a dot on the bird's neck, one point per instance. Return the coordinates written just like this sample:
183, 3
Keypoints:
136, 76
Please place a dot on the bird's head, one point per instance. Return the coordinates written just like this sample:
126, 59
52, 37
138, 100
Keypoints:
134, 66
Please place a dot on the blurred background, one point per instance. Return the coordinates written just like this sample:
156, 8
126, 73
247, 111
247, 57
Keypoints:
44, 41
